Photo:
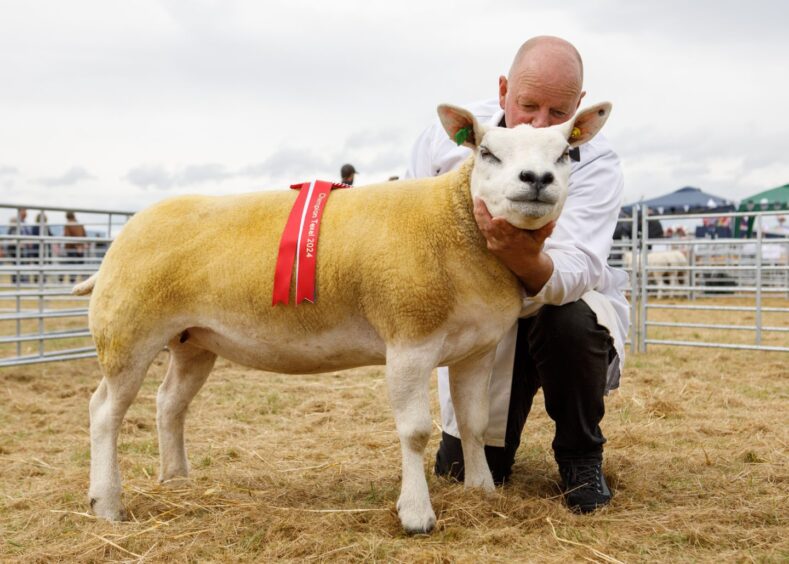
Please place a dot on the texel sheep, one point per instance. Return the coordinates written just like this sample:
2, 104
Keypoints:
404, 279
663, 272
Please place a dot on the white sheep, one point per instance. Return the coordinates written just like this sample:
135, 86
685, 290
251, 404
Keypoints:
663, 272
404, 278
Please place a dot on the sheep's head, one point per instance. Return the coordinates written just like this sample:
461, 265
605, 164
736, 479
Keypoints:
522, 174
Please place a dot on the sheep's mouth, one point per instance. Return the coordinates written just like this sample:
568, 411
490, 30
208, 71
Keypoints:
543, 198
531, 208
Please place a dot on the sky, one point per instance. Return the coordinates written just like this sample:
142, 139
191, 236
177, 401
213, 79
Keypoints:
109, 104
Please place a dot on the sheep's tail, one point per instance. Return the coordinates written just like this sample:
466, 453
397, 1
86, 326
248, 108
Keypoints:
86, 287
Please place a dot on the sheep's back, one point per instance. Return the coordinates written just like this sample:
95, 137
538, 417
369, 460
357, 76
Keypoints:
382, 256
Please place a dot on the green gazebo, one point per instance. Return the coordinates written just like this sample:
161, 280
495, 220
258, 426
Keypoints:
773, 199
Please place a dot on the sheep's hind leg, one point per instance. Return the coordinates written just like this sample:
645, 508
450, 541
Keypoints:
188, 370
468, 384
108, 406
408, 379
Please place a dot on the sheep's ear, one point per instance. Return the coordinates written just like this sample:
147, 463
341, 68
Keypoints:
586, 124
461, 125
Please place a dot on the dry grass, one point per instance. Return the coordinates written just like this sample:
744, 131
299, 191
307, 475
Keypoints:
307, 468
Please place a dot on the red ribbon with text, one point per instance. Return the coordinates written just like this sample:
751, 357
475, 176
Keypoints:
299, 242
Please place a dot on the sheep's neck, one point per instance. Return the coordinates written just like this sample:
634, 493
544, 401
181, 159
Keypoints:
461, 205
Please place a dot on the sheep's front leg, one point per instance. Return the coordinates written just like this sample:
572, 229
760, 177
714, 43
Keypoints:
468, 384
408, 380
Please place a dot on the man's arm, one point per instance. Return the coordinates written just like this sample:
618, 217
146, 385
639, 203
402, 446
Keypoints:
521, 250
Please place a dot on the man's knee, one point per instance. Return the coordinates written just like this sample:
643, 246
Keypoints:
565, 327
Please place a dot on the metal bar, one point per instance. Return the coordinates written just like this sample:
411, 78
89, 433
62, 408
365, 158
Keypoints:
46, 336
719, 214
759, 239
719, 308
633, 272
45, 293
715, 268
75, 210
713, 326
37, 360
717, 345
691, 279
47, 268
707, 242
45, 315
55, 239
717, 289
642, 276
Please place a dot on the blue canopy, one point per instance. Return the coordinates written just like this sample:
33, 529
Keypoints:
685, 200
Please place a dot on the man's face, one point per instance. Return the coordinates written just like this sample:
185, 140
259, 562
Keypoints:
539, 96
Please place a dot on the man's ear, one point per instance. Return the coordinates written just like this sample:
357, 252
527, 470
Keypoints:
586, 124
461, 125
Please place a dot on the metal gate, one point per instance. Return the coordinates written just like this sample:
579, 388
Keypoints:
41, 258
750, 273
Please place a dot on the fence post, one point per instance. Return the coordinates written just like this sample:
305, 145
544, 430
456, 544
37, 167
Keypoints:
635, 329
643, 278
759, 240
692, 272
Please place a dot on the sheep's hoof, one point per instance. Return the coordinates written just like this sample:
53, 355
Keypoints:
416, 521
482, 481
108, 511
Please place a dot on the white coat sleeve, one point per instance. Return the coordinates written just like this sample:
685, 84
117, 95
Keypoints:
421, 161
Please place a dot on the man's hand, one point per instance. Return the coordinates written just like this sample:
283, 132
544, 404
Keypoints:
519, 249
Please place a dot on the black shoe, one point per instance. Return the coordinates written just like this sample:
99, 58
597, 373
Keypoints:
584, 485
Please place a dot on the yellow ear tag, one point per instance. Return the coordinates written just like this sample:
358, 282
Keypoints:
576, 133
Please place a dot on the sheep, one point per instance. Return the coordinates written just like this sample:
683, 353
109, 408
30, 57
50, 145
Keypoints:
404, 279
662, 270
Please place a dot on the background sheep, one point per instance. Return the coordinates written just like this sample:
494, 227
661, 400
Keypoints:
664, 276
404, 278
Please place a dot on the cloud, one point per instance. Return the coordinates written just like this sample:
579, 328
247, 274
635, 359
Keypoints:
7, 176
150, 176
289, 162
198, 174
156, 176
72, 176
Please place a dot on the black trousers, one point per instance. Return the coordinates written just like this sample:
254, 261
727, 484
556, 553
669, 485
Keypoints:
563, 350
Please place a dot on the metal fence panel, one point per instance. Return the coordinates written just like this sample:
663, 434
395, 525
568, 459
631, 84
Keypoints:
40, 261
40, 321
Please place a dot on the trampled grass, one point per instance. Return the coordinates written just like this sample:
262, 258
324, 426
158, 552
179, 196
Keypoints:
307, 468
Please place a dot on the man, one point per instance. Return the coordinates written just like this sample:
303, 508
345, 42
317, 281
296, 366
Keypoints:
19, 250
571, 347
347, 173
75, 252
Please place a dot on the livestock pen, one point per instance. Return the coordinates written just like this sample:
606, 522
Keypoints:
307, 467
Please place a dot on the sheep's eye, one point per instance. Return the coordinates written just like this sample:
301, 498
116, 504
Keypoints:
486, 154
564, 157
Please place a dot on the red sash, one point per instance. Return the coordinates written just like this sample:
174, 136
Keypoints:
299, 242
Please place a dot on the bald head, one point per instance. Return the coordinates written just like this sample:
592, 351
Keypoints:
545, 83
548, 48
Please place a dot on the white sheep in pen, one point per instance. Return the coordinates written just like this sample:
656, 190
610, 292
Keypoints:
404, 279
663, 272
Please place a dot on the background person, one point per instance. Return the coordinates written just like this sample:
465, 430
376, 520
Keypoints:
347, 173
75, 252
560, 344
19, 251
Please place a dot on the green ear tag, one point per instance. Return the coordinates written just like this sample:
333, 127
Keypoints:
462, 135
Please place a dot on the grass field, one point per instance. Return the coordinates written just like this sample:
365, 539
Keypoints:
307, 468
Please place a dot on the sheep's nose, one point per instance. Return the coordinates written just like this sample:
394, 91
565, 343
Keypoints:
538, 184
